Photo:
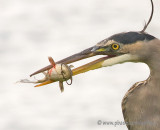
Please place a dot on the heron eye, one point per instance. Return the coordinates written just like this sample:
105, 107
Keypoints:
115, 46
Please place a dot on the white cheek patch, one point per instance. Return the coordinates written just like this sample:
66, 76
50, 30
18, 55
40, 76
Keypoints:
120, 59
106, 43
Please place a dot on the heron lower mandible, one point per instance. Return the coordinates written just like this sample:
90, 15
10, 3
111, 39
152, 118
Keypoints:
140, 105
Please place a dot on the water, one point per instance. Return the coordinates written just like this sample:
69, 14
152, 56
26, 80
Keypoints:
32, 30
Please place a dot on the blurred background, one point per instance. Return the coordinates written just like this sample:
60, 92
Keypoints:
32, 30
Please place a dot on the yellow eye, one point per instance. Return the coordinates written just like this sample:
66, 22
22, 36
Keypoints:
115, 46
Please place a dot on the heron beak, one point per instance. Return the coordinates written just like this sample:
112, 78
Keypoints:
90, 52
96, 50
90, 66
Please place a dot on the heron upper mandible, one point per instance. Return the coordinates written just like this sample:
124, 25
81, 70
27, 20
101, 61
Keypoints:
140, 105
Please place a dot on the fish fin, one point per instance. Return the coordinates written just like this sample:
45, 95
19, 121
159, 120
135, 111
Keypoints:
61, 86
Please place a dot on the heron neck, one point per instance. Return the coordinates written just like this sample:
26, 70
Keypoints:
155, 73
153, 59
154, 66
154, 78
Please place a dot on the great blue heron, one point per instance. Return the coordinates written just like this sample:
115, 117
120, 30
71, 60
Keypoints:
140, 105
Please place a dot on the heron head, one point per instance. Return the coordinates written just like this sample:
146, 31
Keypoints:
125, 47
119, 48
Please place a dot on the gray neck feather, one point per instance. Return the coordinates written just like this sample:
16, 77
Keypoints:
153, 60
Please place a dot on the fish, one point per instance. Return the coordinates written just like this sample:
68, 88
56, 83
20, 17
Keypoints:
59, 72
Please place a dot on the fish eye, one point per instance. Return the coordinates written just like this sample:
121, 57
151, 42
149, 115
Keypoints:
115, 46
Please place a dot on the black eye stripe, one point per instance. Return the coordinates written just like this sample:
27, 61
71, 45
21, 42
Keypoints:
131, 37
